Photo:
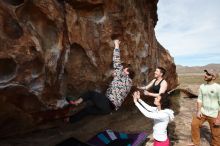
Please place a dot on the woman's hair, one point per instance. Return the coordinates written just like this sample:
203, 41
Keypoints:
165, 101
162, 70
130, 70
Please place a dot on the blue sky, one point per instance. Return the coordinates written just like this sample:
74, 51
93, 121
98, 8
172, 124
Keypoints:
190, 30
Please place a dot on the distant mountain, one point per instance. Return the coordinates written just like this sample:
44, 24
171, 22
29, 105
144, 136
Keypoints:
196, 69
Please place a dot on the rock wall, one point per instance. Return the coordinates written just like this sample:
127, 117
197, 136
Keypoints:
50, 49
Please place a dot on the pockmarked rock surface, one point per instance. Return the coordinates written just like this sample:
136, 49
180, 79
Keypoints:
57, 48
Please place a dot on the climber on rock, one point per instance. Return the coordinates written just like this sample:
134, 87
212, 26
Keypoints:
116, 93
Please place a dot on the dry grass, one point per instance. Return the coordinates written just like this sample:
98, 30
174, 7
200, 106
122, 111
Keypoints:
193, 79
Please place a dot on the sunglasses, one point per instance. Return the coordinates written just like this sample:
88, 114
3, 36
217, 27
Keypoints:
208, 74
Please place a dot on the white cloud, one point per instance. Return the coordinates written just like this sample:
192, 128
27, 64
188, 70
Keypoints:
189, 28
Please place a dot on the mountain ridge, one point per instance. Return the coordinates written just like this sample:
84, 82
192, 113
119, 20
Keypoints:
180, 69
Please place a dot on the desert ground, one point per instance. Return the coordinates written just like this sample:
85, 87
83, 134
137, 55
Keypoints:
127, 119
